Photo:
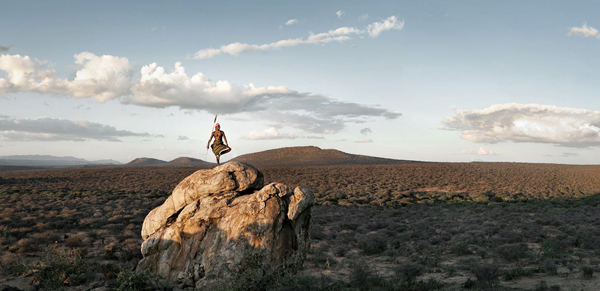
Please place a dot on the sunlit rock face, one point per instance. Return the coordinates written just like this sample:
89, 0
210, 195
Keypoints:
214, 217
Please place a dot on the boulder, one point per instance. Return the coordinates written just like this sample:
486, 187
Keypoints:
229, 177
216, 217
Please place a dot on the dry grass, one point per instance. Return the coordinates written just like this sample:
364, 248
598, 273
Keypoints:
532, 221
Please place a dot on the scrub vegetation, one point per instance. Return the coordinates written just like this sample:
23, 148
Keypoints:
423, 226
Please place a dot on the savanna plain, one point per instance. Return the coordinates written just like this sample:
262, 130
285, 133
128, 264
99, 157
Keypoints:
408, 226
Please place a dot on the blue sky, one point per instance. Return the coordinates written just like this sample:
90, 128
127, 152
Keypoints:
453, 81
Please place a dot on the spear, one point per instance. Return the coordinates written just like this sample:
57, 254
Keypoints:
212, 129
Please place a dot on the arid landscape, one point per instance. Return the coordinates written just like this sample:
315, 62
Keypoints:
379, 224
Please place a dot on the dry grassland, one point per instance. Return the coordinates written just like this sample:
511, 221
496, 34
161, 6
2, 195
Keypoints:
392, 227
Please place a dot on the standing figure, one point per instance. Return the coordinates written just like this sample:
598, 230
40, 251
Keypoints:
218, 147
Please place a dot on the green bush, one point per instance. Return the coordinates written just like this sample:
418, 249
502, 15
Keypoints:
130, 281
548, 249
58, 268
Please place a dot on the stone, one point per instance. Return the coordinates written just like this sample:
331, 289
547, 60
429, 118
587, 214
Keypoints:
233, 176
209, 236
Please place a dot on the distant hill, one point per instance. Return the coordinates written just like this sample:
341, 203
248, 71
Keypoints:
186, 161
146, 162
311, 156
50, 161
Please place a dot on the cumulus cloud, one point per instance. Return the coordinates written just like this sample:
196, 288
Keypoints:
340, 35
365, 130
100, 77
364, 17
481, 151
364, 140
292, 22
270, 133
109, 77
340, 13
53, 129
310, 112
561, 126
584, 31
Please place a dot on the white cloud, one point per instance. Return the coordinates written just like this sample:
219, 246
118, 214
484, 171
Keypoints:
100, 77
377, 28
207, 53
270, 133
3, 116
562, 126
53, 129
364, 17
584, 31
340, 35
340, 13
365, 140
567, 155
481, 151
109, 77
183, 137
292, 22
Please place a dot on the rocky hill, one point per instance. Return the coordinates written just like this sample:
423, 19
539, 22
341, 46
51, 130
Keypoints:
186, 161
146, 162
311, 156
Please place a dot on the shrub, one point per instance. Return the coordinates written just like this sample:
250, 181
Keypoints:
543, 286
512, 252
548, 249
130, 281
254, 274
58, 268
73, 241
362, 276
487, 275
409, 271
550, 266
373, 244
340, 251
517, 273
12, 264
576, 242
588, 272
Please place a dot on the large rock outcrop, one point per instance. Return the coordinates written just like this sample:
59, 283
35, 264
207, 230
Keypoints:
214, 217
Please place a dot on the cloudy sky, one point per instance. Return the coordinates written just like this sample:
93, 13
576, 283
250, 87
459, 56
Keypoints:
448, 81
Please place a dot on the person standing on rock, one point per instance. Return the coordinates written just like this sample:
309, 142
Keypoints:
218, 147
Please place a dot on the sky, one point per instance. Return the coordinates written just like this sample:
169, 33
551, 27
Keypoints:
443, 81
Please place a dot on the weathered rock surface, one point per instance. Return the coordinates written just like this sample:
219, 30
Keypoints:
238, 177
214, 217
